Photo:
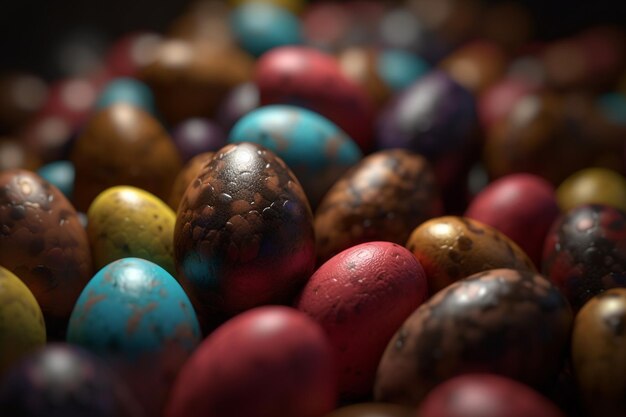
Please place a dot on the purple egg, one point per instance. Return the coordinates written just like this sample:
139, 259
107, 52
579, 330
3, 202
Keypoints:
239, 101
195, 136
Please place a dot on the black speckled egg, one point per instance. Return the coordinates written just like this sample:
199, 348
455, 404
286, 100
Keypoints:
501, 321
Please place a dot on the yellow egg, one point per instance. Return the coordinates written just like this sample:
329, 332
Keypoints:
22, 328
125, 221
294, 6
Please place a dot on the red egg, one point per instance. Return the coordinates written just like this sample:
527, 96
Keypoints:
361, 297
309, 78
267, 362
522, 206
484, 395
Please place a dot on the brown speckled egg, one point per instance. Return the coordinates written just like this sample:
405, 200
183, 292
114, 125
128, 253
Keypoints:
373, 410
384, 197
451, 248
123, 145
502, 321
599, 353
186, 175
43, 243
244, 233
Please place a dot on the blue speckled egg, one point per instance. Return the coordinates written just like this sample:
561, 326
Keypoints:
259, 27
399, 69
127, 90
61, 175
315, 149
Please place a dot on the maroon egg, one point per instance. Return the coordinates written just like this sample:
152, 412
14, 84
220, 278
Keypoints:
267, 362
522, 206
585, 252
485, 395
361, 297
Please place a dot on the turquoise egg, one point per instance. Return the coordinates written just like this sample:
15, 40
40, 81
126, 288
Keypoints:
61, 175
399, 69
259, 27
127, 90
315, 149
132, 307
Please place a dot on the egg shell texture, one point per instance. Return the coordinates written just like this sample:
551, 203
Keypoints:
267, 362
361, 297
244, 232
315, 149
585, 252
503, 321
128, 222
384, 197
186, 176
123, 145
43, 243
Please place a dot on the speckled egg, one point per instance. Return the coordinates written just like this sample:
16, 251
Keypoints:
502, 321
485, 395
44, 244
134, 314
361, 297
585, 252
315, 149
593, 186
373, 410
186, 175
125, 222
22, 328
270, 361
123, 145
599, 353
384, 197
127, 90
522, 206
309, 78
61, 174
244, 233
65, 381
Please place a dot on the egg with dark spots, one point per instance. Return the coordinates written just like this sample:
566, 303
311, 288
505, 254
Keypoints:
599, 353
373, 410
585, 252
136, 316
384, 197
507, 322
186, 175
125, 222
244, 233
360, 297
451, 248
43, 243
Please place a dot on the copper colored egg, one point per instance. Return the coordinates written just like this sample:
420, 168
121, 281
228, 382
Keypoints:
123, 145
451, 248
373, 410
186, 175
384, 197
507, 322
43, 242
599, 353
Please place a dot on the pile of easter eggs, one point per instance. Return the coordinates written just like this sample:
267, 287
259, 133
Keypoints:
334, 209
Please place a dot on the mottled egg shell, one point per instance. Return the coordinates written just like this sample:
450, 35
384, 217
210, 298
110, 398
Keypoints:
384, 197
585, 252
125, 222
244, 232
186, 175
315, 149
485, 395
309, 78
372, 410
44, 244
65, 381
266, 362
522, 206
599, 353
361, 297
451, 248
502, 321
593, 186
123, 145
22, 328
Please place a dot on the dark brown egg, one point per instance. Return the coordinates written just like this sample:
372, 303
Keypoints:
43, 242
451, 248
123, 145
244, 233
384, 197
373, 410
186, 175
599, 353
502, 321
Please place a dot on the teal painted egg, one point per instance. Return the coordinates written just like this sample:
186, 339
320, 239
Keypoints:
315, 149
60, 174
129, 91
